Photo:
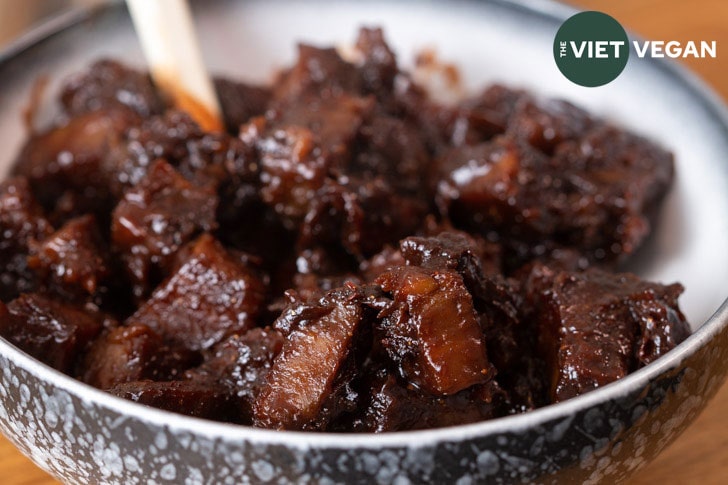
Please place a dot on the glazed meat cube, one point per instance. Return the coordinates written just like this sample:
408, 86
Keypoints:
212, 295
155, 218
241, 364
394, 150
133, 353
592, 195
480, 118
240, 102
432, 330
622, 175
108, 84
293, 167
191, 398
378, 197
73, 258
547, 124
319, 72
330, 236
485, 175
350, 223
21, 222
333, 121
53, 332
302, 388
351, 254
347, 175
163, 136
509, 341
71, 157
175, 137
394, 407
494, 298
596, 327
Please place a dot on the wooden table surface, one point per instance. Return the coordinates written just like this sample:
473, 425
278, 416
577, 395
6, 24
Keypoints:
700, 455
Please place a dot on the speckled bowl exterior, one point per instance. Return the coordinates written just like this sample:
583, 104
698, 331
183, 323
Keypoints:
82, 435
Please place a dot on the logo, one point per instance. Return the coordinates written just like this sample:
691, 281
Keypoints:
591, 49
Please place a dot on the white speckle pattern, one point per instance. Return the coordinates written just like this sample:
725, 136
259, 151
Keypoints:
168, 472
161, 440
263, 470
488, 463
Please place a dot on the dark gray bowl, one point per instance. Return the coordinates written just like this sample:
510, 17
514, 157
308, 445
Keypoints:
82, 435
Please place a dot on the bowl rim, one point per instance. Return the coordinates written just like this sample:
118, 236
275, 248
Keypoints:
177, 423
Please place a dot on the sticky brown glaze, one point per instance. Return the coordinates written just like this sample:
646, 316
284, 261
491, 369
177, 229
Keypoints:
349, 255
595, 327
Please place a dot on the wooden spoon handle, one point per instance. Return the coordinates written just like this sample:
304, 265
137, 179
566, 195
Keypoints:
168, 39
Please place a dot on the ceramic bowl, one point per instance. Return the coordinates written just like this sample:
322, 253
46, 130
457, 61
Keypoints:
82, 435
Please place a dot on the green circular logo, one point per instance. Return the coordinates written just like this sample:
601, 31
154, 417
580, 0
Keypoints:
591, 49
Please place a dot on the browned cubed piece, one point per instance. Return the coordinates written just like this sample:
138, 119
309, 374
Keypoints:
484, 116
53, 332
593, 194
72, 157
240, 102
335, 163
498, 109
495, 299
102, 103
432, 330
293, 167
163, 136
241, 364
133, 353
379, 196
392, 406
318, 71
212, 295
334, 120
348, 223
315, 115
301, 389
388, 178
72, 259
548, 123
596, 327
108, 84
191, 398
175, 137
21, 222
155, 218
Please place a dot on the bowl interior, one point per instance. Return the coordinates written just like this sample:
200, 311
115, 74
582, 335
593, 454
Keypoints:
488, 41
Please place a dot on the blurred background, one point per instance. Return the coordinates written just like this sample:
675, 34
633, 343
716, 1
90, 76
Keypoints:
700, 455
18, 16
